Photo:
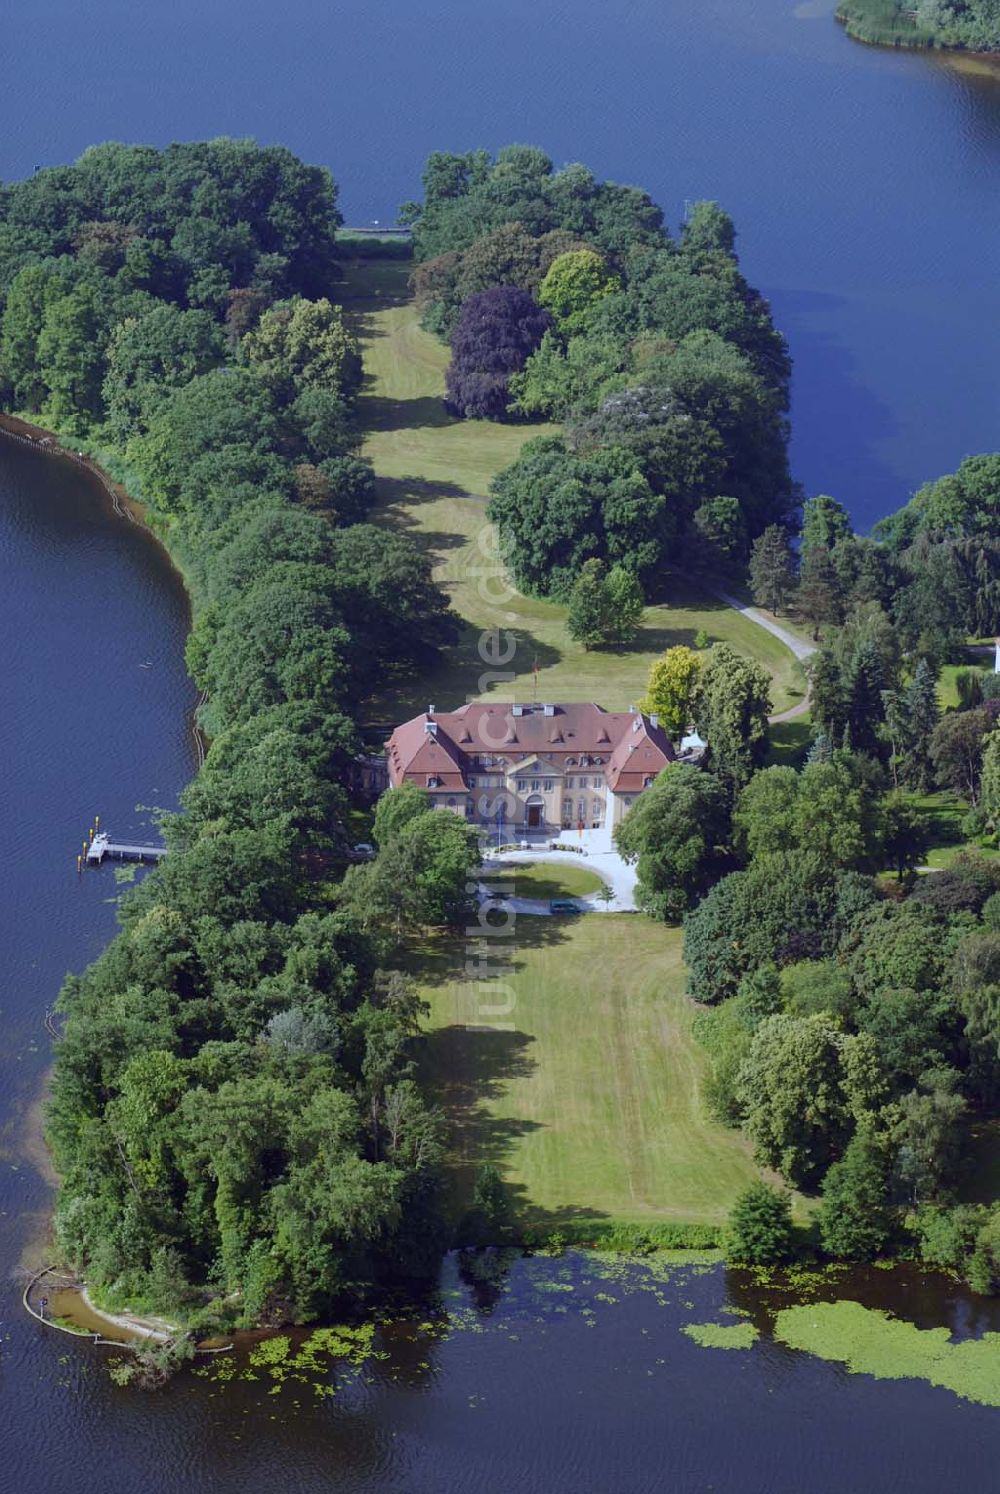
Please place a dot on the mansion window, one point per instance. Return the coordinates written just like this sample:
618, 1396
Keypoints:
548, 785
534, 785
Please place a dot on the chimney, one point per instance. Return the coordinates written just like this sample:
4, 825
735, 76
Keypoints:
431, 728
654, 720
430, 709
631, 710
549, 710
517, 710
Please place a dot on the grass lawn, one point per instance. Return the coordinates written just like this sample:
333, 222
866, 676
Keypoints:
947, 690
433, 479
545, 880
587, 1090
944, 813
790, 741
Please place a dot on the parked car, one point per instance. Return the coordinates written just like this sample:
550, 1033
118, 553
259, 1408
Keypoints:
563, 905
363, 851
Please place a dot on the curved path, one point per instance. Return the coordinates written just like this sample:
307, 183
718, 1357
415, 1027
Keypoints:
799, 647
600, 859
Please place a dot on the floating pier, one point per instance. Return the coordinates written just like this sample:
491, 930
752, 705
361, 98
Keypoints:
102, 845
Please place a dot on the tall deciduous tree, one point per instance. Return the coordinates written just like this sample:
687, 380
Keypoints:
604, 609
957, 751
70, 357
731, 710
792, 1093
829, 808
496, 332
151, 354
572, 287
672, 687
397, 807
675, 833
825, 522
299, 345
855, 1219
905, 834
990, 783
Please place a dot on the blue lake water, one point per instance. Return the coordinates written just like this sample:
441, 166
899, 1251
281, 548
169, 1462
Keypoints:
863, 183
864, 187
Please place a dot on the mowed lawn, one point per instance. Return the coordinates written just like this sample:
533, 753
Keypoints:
589, 1098
434, 474
543, 879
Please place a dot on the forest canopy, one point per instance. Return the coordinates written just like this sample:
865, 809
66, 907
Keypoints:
233, 1111
659, 360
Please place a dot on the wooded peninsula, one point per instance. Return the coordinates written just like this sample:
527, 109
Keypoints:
244, 1114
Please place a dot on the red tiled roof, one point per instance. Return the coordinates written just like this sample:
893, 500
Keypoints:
625, 744
641, 753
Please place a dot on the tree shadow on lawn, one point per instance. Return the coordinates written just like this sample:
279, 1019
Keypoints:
468, 1066
789, 741
408, 491
376, 412
462, 673
689, 590
484, 951
368, 286
465, 1068
657, 640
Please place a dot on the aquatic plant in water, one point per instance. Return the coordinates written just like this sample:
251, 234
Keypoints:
307, 1363
870, 1342
722, 1335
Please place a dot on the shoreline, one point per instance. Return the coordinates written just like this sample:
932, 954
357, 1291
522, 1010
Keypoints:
92, 1323
124, 506
35, 1148
903, 40
50, 443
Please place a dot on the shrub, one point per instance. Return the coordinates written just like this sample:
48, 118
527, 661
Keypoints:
760, 1227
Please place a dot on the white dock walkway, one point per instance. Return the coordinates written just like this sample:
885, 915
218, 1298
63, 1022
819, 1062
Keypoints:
102, 845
